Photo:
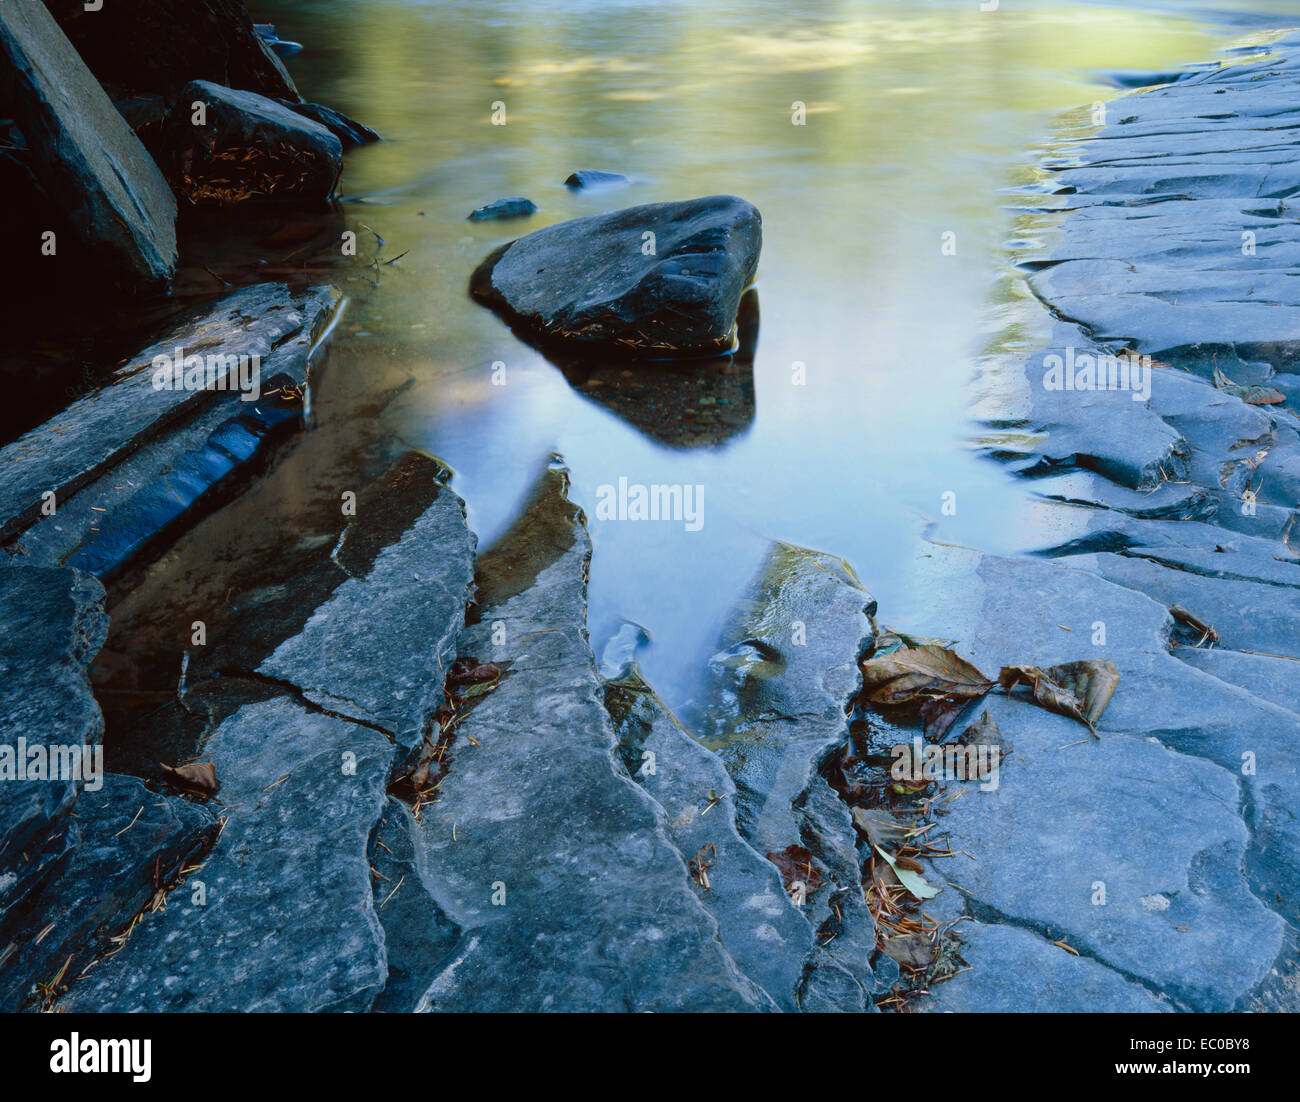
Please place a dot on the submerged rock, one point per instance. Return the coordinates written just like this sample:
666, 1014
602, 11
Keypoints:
587, 179
515, 207
661, 279
248, 147
94, 169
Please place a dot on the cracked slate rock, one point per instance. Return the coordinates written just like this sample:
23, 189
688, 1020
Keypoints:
54, 624
761, 928
379, 647
1014, 971
418, 938
84, 154
1160, 825
289, 921
126, 843
588, 284
594, 908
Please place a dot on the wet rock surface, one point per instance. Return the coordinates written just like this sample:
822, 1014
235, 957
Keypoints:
1161, 853
556, 866
287, 920
516, 207
129, 461
104, 184
664, 278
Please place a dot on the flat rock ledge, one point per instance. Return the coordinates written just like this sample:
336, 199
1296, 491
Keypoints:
1164, 853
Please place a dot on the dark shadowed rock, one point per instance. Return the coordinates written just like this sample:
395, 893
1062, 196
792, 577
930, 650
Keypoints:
164, 44
554, 864
587, 179
249, 147
128, 845
288, 922
661, 279
104, 183
514, 207
53, 625
348, 131
130, 460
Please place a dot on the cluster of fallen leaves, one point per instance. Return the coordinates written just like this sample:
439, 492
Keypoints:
466, 679
926, 677
942, 684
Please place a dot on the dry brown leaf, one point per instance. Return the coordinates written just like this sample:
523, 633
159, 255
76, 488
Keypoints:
199, 777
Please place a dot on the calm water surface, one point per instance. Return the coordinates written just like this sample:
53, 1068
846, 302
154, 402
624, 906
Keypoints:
922, 118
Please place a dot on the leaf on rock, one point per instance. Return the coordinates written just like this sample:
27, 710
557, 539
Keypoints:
909, 950
1254, 395
925, 672
199, 777
1080, 690
879, 827
914, 882
985, 732
796, 865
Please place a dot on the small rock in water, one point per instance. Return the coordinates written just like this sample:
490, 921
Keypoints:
515, 207
278, 46
587, 178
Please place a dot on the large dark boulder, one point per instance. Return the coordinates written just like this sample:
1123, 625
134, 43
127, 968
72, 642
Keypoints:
659, 279
108, 190
162, 45
248, 147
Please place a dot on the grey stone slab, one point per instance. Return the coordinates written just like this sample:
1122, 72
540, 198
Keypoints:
401, 617
128, 844
288, 920
1015, 971
766, 935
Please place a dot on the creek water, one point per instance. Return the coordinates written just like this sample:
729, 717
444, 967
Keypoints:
854, 424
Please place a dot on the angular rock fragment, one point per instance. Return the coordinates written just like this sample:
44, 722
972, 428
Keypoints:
349, 132
555, 865
596, 283
760, 927
514, 207
94, 169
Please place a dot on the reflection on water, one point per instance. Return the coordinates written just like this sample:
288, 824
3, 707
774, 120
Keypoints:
851, 422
